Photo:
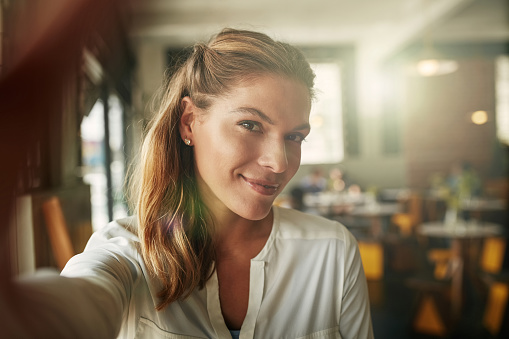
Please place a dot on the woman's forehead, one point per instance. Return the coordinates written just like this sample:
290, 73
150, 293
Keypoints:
267, 82
269, 99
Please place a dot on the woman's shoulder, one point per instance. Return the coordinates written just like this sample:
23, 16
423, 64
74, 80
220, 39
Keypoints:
130, 224
297, 224
122, 232
111, 249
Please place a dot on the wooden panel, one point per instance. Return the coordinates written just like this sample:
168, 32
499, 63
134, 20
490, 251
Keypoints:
439, 132
76, 209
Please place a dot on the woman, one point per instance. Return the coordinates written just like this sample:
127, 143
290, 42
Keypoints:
207, 255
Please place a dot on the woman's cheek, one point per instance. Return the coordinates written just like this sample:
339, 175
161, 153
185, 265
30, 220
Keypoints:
294, 158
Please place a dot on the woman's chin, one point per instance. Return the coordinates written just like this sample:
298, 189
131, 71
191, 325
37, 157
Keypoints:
256, 213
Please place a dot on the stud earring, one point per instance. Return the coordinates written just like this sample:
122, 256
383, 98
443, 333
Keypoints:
187, 141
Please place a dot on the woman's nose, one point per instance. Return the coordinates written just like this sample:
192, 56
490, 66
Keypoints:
273, 155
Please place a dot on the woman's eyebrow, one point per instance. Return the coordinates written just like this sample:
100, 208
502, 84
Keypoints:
261, 115
253, 111
302, 127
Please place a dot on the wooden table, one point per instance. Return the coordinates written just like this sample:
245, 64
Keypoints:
477, 206
376, 212
329, 204
460, 232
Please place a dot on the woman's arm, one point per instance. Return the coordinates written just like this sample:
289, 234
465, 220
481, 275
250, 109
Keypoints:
48, 305
87, 300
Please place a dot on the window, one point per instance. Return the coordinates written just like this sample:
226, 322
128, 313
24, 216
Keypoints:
103, 167
502, 97
325, 142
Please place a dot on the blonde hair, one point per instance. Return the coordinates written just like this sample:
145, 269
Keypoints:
174, 226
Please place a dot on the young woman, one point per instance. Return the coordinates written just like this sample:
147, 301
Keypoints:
208, 255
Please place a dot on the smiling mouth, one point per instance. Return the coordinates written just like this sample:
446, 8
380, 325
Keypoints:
262, 187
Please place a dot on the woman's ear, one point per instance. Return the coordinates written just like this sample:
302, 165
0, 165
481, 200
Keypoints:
187, 119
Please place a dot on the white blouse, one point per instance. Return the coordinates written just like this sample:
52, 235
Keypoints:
307, 282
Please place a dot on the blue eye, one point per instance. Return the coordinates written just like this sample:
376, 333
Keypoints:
251, 126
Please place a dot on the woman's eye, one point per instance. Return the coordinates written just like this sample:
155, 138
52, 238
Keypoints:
297, 137
250, 126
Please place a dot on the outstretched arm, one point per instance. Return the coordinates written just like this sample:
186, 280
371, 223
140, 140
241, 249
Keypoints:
48, 305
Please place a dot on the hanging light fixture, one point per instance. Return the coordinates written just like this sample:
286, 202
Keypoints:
429, 61
434, 66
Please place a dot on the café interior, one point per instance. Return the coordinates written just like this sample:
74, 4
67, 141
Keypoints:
409, 146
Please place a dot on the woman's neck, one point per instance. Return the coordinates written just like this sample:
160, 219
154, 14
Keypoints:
235, 235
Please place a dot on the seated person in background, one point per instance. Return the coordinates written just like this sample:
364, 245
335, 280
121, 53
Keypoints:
314, 182
338, 182
297, 199
463, 181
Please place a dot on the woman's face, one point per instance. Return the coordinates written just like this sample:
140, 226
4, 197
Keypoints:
247, 144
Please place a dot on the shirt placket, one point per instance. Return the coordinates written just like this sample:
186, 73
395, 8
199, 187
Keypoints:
256, 285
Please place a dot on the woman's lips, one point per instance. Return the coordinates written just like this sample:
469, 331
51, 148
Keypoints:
262, 186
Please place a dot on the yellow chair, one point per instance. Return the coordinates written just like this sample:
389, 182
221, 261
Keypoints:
431, 315
496, 306
372, 256
428, 319
441, 257
404, 222
434, 311
490, 263
492, 256
407, 221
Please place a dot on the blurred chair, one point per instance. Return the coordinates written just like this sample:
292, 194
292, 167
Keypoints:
408, 220
490, 265
441, 259
496, 308
433, 312
372, 256
58, 232
492, 256
497, 282
402, 244
428, 317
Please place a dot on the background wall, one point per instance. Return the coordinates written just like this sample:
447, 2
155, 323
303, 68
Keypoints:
439, 131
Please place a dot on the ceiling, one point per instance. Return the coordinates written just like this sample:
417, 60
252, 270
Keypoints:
396, 22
